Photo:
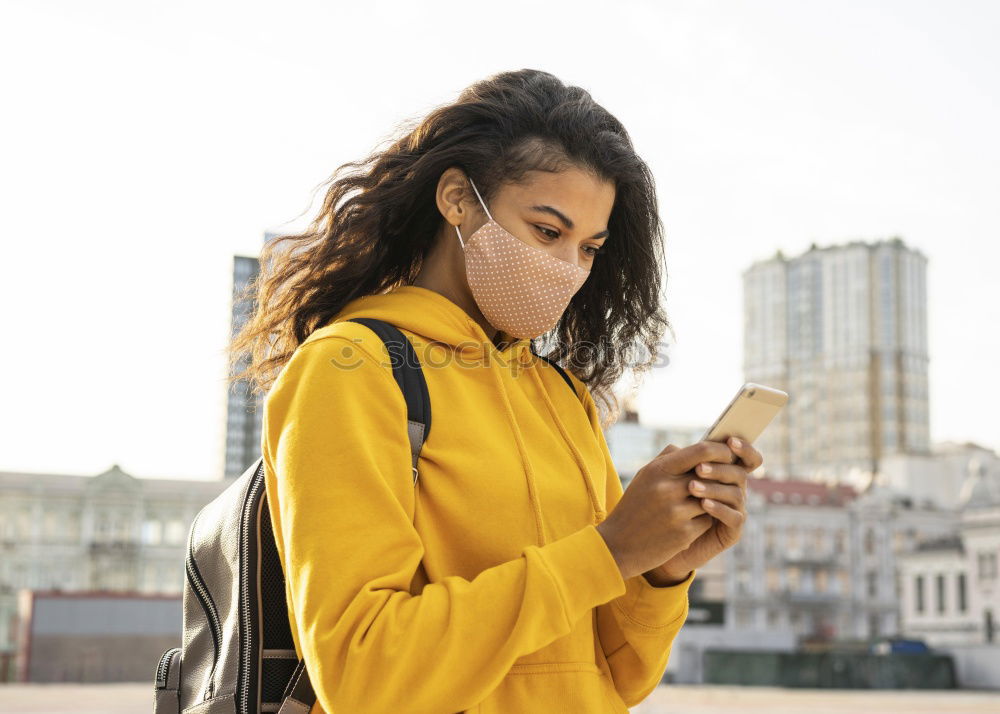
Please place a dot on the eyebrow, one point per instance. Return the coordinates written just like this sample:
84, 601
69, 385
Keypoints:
565, 219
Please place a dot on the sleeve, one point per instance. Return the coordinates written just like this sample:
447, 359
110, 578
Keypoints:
636, 629
335, 431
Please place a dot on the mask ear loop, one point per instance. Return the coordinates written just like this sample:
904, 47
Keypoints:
480, 199
480, 203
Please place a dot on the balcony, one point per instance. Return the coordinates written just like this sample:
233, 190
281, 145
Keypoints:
807, 558
116, 548
807, 597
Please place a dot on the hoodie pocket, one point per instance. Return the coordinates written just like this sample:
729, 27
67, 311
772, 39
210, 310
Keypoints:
553, 687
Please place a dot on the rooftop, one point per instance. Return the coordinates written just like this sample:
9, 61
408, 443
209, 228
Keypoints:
797, 492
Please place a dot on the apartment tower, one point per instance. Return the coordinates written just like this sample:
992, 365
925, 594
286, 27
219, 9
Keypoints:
842, 329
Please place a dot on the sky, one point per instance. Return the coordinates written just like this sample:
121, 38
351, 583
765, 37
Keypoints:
144, 144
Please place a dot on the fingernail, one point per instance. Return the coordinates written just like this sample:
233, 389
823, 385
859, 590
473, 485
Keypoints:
708, 502
697, 485
706, 468
737, 443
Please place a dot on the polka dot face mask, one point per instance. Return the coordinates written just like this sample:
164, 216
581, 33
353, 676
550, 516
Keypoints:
521, 289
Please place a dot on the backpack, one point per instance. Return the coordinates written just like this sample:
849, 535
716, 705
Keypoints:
237, 654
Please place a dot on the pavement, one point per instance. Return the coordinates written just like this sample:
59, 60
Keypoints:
691, 699
667, 699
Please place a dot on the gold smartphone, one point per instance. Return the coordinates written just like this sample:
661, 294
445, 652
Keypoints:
748, 414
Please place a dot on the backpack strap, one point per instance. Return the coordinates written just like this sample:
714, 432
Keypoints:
561, 370
299, 696
410, 377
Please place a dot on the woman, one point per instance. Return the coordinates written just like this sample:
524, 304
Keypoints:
514, 575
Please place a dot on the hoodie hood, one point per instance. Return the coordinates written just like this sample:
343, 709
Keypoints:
436, 318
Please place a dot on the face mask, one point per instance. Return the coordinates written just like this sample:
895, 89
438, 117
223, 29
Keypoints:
521, 289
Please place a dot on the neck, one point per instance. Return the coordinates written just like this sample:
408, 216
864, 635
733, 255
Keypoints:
443, 271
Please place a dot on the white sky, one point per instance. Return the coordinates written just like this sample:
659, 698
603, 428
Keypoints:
142, 144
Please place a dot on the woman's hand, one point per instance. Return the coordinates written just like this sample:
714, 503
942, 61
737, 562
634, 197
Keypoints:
656, 517
723, 496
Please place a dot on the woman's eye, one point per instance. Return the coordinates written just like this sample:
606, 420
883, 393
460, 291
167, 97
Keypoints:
547, 231
594, 250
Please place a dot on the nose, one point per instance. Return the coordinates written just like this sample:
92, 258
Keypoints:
568, 252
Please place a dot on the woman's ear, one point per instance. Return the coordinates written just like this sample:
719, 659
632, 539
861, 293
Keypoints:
452, 196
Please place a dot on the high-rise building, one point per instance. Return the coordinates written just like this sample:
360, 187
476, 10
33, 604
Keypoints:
244, 411
843, 330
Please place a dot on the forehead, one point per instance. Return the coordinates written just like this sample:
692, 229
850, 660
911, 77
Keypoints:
584, 197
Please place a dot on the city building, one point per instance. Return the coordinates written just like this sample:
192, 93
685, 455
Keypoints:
939, 477
951, 585
935, 583
820, 559
843, 330
244, 410
244, 413
109, 532
823, 561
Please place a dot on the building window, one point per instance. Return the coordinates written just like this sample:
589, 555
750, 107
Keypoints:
840, 583
869, 541
872, 581
23, 531
792, 537
987, 566
793, 578
773, 579
743, 580
940, 593
102, 528
152, 532
174, 532
918, 587
819, 535
898, 541
961, 593
52, 528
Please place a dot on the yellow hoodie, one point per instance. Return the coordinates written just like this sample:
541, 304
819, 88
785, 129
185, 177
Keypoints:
483, 588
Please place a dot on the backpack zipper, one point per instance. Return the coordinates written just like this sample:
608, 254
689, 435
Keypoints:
247, 643
208, 605
163, 667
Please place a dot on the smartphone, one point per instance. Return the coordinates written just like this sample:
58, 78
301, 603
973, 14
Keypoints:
748, 414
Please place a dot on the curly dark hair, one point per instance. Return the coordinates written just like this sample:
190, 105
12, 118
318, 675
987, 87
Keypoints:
380, 219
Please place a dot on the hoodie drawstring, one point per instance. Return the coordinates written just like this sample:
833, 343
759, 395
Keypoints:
529, 474
599, 512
